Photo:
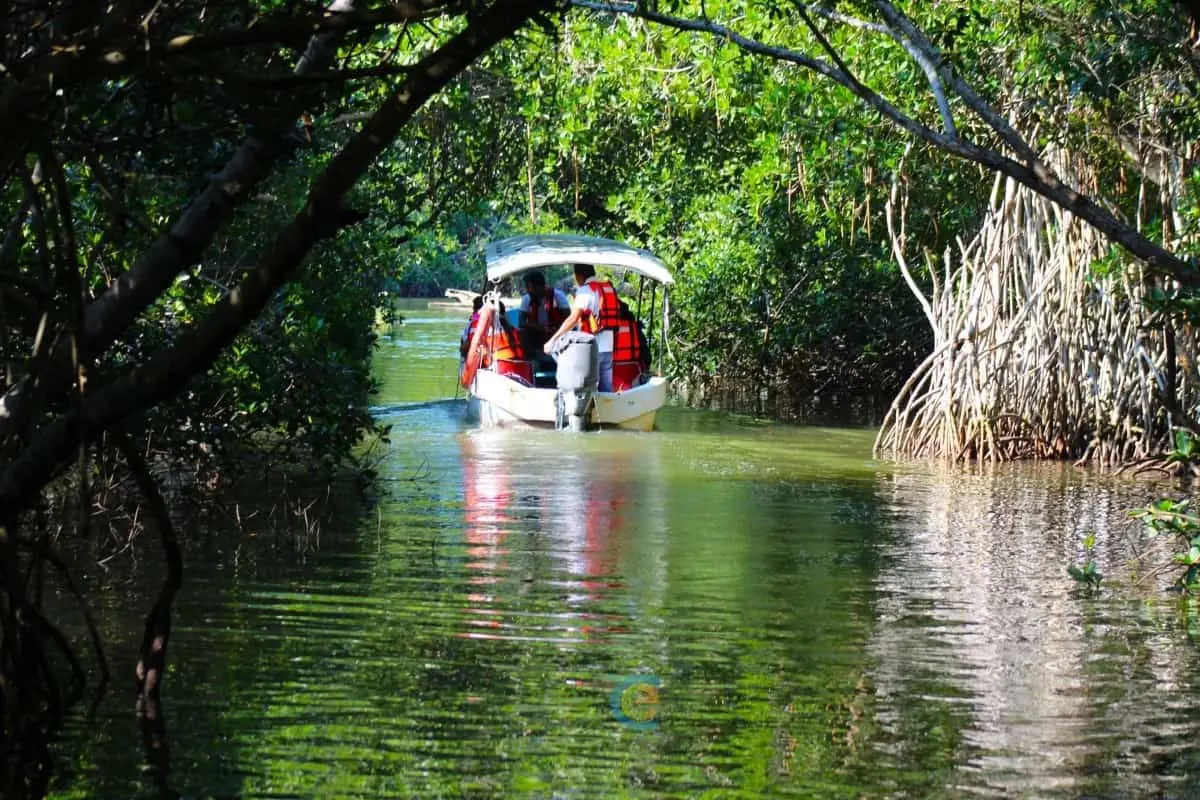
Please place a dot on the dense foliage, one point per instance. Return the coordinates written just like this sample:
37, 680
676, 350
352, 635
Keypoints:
761, 183
176, 302
200, 220
756, 189
763, 195
764, 185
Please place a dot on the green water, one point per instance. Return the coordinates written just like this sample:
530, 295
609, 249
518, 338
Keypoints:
780, 615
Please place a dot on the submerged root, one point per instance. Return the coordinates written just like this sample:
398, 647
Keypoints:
41, 676
1037, 353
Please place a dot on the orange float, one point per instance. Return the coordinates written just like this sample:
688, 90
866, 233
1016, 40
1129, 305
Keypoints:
475, 350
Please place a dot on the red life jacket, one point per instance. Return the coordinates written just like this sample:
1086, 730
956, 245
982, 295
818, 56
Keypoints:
610, 309
474, 323
554, 314
504, 345
627, 345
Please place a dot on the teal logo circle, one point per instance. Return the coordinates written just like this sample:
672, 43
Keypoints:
635, 701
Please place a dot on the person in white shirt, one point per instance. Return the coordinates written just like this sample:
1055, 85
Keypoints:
595, 310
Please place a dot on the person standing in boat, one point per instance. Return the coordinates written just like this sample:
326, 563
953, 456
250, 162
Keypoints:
542, 310
595, 310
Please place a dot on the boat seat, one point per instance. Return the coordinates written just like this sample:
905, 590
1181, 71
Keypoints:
521, 371
626, 375
545, 371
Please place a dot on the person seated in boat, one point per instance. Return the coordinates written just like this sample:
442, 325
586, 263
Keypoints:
504, 344
643, 346
595, 311
629, 342
464, 341
542, 310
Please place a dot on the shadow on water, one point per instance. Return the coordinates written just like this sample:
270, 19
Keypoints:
726, 607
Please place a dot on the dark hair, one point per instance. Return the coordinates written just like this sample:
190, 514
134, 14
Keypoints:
584, 271
502, 318
536, 279
477, 303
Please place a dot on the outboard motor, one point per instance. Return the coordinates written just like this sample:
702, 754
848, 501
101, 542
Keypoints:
578, 360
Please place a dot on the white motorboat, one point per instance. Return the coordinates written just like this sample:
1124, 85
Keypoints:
462, 299
526, 391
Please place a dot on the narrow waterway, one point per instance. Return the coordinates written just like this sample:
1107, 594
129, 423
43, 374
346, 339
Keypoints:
721, 608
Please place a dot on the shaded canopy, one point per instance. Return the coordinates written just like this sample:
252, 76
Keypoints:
519, 253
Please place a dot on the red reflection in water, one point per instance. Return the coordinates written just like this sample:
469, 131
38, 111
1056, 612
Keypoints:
488, 497
586, 517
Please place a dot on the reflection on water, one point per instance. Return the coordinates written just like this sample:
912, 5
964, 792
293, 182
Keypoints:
1055, 693
533, 506
418, 361
723, 608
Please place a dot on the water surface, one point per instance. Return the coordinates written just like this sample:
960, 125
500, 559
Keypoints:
722, 608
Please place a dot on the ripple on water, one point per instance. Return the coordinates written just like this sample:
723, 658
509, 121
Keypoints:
724, 608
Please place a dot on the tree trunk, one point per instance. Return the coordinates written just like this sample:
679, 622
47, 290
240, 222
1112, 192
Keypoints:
167, 373
176, 249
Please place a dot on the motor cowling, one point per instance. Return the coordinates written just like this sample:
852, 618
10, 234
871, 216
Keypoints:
578, 376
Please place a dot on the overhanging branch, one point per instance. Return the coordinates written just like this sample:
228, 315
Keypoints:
167, 373
177, 248
128, 51
280, 82
1030, 171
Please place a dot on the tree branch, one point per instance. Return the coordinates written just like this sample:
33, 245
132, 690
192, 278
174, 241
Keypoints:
127, 48
167, 373
280, 82
843, 19
152, 659
928, 59
1033, 173
177, 248
286, 29
927, 65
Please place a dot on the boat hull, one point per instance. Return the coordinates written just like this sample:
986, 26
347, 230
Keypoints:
499, 401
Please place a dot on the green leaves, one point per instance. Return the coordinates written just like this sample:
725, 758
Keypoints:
1180, 302
1175, 518
1185, 448
1087, 573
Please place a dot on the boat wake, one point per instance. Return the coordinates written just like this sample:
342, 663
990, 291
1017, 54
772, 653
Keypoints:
453, 406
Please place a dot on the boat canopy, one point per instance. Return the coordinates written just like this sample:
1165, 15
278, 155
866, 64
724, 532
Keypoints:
519, 253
